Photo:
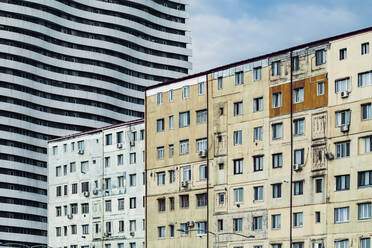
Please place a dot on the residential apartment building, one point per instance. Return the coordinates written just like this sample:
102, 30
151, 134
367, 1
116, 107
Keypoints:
69, 66
97, 187
279, 162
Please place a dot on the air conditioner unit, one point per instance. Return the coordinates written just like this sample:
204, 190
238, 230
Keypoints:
132, 143
95, 191
81, 151
184, 184
203, 153
296, 167
190, 223
69, 216
329, 156
132, 234
86, 193
344, 94
107, 234
344, 128
119, 145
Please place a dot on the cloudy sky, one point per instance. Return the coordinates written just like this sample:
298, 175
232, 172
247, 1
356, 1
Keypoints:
225, 31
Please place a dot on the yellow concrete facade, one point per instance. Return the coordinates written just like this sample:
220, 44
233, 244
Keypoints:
274, 172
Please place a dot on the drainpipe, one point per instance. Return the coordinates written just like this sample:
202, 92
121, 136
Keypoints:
208, 174
146, 219
291, 179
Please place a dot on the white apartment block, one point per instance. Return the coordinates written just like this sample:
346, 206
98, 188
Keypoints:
96, 188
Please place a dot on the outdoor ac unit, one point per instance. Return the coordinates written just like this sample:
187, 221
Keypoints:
329, 156
344, 94
203, 153
69, 216
132, 143
119, 145
184, 184
81, 151
345, 128
296, 167
86, 193
95, 191
190, 223
132, 234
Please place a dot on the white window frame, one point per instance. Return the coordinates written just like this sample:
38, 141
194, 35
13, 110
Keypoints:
171, 95
320, 57
364, 48
342, 149
277, 129
298, 219
275, 68
201, 116
159, 98
171, 122
320, 88
184, 147
160, 152
258, 104
257, 134
239, 78
238, 137
341, 215
238, 108
184, 119
364, 210
366, 111
275, 221
342, 85
238, 166
343, 117
185, 92
298, 95
299, 126
201, 145
277, 100
201, 88
238, 195
257, 73
220, 83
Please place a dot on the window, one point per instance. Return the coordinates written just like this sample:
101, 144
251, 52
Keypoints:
161, 231
80, 145
320, 89
73, 230
120, 181
58, 190
299, 125
72, 167
277, 130
171, 231
365, 79
171, 176
257, 223
121, 229
142, 134
171, 122
365, 243
276, 246
342, 85
65, 169
119, 137
161, 178
237, 137
108, 206
107, 162
58, 171
257, 134
238, 166
277, 100
366, 111
201, 200
171, 150
365, 48
170, 95
201, 145
74, 188
318, 185
237, 224
201, 116
85, 229
187, 173
320, 57
298, 244
201, 88
239, 78
161, 205
160, 125
184, 228
257, 104
184, 200
55, 150
220, 83
184, 147
298, 95
258, 193
132, 158
220, 225
275, 67
299, 156
258, 163
295, 63
298, 188
84, 187
277, 160
132, 225
364, 211
171, 203
257, 75
277, 190
132, 180
184, 120
185, 92
121, 204
160, 152
203, 172
343, 53
221, 198
317, 217
367, 144
159, 98
342, 182
58, 231
364, 178
120, 159
238, 195
342, 244
275, 221
108, 139
238, 108
132, 202
85, 208
58, 211
297, 219
341, 215
343, 118
343, 149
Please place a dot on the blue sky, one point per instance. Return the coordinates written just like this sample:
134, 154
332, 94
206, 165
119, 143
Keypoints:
226, 31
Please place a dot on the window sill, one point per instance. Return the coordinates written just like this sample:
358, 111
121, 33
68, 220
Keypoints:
343, 222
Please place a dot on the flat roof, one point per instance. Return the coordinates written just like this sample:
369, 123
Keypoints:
97, 130
313, 43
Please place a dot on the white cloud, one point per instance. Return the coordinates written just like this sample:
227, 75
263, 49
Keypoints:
219, 40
